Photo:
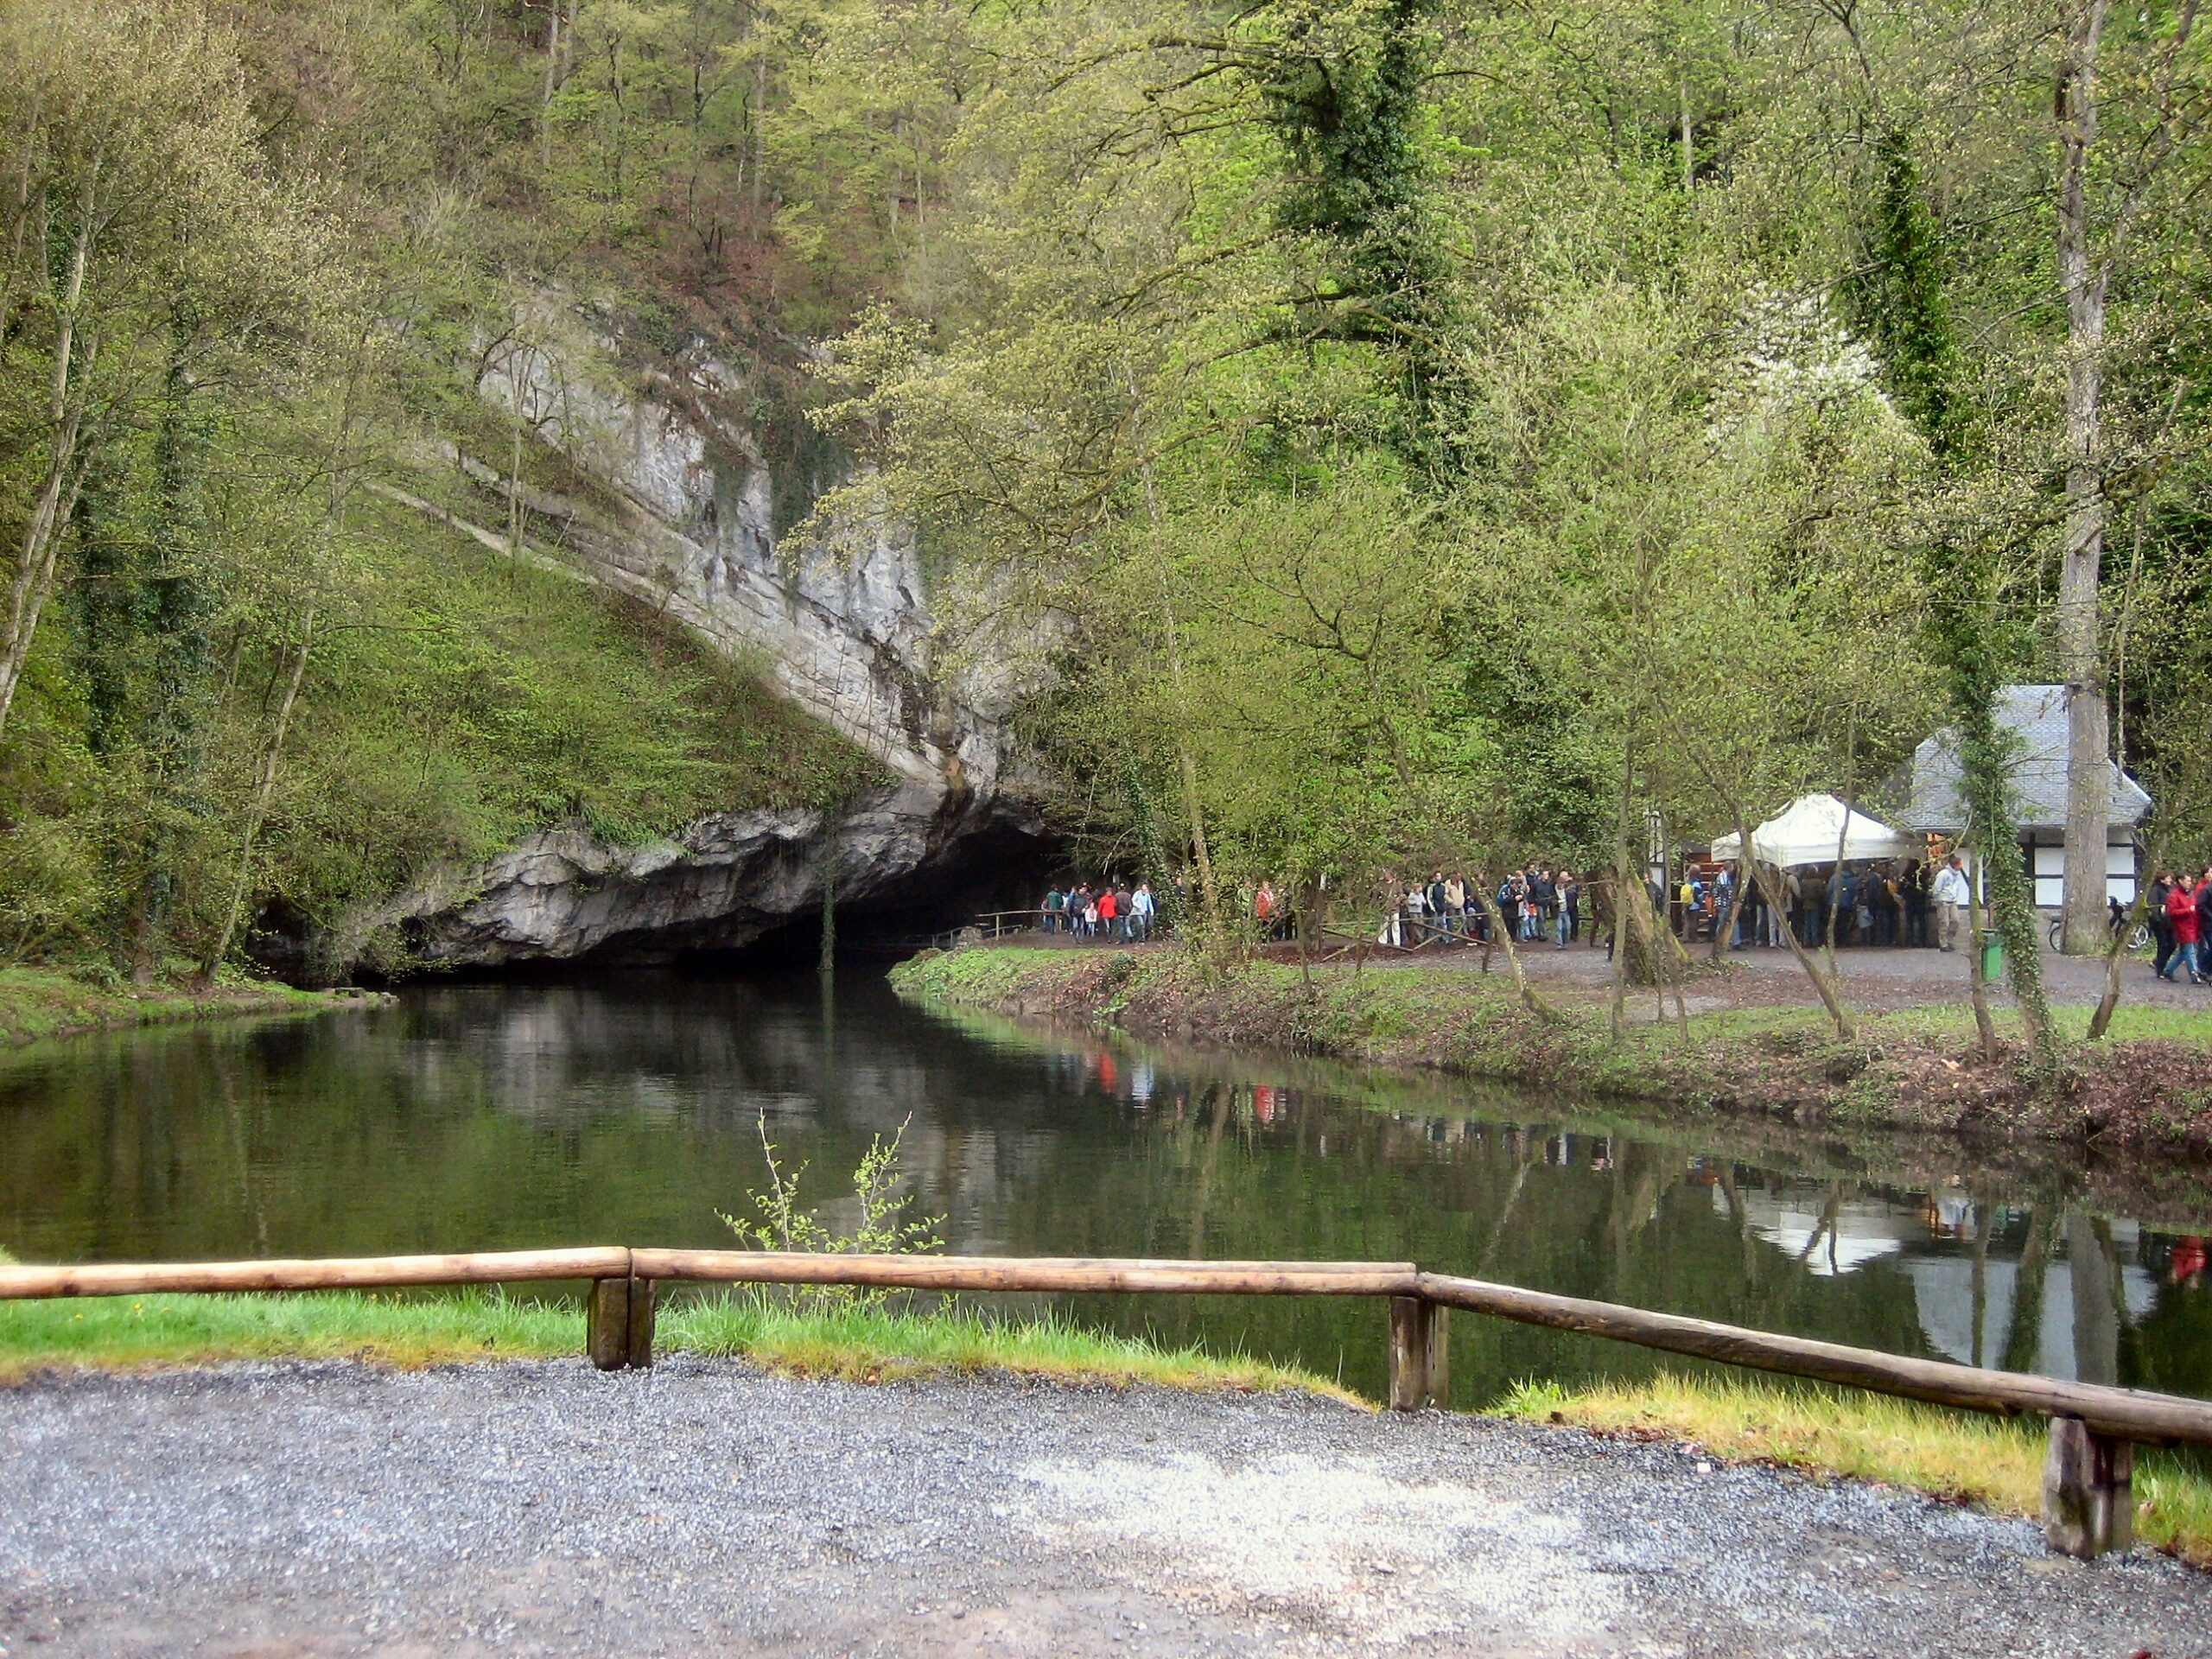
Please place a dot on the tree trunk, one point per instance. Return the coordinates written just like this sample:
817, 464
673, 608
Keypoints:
1689, 144
1620, 902
264, 792
2088, 738
1529, 1000
1739, 890
65, 466
1823, 986
1171, 639
2138, 912
552, 84
1977, 985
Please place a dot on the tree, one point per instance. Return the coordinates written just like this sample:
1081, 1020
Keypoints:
138, 204
2090, 247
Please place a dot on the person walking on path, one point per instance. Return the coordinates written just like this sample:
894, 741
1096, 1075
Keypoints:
2162, 931
1950, 893
2183, 912
1142, 911
2204, 927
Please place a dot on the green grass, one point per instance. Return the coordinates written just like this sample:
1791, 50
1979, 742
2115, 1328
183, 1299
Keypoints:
124, 1332
874, 1345
1995, 1464
37, 1003
856, 1344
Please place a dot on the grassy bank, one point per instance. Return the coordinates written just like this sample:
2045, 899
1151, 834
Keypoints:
2149, 1086
1991, 1463
37, 1003
861, 1344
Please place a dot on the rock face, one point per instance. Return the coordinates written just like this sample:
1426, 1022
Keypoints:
728, 881
671, 502
675, 509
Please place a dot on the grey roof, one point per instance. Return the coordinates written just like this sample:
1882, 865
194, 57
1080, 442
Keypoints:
2036, 713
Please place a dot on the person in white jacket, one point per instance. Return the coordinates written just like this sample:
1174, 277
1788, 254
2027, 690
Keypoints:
1951, 895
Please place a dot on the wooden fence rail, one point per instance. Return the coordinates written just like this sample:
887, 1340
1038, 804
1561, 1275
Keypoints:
2088, 1505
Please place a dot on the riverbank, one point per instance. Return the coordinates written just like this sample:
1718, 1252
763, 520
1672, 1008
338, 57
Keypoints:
42, 1003
2146, 1088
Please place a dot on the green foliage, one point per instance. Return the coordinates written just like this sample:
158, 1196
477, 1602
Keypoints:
1899, 301
1369, 436
883, 1224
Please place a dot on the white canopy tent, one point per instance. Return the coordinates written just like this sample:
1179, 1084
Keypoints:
1808, 832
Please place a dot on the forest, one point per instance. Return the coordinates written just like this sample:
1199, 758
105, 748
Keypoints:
1377, 432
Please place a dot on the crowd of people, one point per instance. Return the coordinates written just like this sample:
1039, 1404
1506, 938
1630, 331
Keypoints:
1112, 911
1538, 903
1905, 903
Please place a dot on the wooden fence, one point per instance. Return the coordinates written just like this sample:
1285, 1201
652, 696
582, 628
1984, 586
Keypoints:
2088, 1497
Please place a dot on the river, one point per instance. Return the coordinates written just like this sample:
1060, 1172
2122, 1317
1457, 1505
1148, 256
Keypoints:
631, 1110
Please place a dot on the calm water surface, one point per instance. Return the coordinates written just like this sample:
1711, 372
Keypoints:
478, 1117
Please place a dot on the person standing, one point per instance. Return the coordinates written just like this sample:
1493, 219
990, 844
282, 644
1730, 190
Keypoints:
1263, 910
1570, 908
1455, 902
2182, 911
1142, 911
2162, 931
1915, 904
1055, 901
1950, 893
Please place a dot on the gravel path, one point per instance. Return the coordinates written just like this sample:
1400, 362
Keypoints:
703, 1508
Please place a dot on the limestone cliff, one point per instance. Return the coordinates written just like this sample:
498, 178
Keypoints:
664, 496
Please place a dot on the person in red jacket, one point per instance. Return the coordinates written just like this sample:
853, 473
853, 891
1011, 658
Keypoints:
2182, 911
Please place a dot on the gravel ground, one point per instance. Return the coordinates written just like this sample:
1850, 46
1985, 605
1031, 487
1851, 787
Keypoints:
704, 1509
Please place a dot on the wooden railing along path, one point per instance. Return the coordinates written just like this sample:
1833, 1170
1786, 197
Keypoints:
2088, 1497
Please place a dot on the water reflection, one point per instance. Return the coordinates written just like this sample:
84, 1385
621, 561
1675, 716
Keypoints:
489, 1116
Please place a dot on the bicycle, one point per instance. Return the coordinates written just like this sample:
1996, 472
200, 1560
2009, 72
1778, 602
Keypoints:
2139, 937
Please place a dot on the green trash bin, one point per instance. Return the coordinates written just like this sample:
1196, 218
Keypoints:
1993, 958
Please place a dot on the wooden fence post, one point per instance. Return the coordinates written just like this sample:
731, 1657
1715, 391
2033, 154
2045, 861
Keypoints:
619, 1324
606, 1323
2088, 1491
1418, 1375
639, 1347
